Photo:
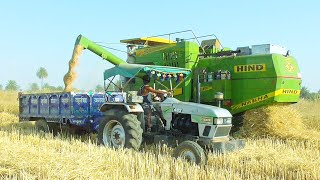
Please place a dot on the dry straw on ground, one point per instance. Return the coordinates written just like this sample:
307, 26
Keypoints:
9, 102
71, 74
33, 156
310, 112
280, 121
26, 154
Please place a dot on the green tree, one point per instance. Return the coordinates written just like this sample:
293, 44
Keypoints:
46, 86
12, 86
99, 88
59, 88
34, 87
304, 93
42, 74
1, 87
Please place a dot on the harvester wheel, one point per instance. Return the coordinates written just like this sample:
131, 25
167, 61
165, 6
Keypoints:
190, 151
120, 131
42, 126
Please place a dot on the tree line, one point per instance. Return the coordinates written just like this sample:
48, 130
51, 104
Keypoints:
305, 93
42, 74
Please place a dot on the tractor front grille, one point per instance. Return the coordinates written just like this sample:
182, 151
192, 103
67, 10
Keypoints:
222, 131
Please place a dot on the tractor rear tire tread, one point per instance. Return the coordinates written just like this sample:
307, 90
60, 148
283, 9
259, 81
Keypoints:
131, 125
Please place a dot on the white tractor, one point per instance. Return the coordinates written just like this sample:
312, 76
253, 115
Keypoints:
192, 127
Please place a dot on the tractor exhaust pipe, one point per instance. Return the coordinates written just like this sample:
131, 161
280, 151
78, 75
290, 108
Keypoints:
218, 96
198, 88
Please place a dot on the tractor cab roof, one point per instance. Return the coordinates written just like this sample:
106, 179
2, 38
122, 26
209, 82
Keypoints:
158, 73
139, 70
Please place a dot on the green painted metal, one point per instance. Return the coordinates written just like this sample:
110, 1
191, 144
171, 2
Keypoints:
98, 50
279, 83
256, 80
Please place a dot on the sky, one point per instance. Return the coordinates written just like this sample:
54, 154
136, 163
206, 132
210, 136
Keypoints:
38, 34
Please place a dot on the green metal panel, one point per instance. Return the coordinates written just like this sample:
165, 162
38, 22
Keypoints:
98, 50
207, 89
256, 80
177, 55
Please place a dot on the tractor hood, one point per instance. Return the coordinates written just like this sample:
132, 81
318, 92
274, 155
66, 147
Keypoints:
196, 109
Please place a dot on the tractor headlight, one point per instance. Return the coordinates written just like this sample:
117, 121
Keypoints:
227, 120
218, 121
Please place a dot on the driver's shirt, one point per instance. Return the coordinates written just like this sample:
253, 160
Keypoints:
144, 93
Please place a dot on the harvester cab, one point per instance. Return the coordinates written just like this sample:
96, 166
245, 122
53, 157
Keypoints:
193, 126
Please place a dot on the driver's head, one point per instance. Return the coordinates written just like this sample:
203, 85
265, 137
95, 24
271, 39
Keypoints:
146, 79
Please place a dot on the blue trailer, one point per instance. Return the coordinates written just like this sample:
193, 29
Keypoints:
78, 110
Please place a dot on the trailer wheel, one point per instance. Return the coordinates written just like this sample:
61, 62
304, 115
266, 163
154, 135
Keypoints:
190, 151
42, 126
120, 131
54, 128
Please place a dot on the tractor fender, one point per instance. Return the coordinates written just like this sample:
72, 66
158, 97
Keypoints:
131, 108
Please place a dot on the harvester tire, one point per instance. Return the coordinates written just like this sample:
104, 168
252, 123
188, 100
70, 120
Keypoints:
191, 151
42, 126
122, 130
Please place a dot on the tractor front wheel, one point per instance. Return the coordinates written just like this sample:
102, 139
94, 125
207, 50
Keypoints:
190, 151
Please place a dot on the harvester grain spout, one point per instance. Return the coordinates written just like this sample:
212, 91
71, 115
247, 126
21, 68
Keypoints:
98, 50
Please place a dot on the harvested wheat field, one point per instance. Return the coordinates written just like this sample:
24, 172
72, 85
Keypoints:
280, 121
279, 152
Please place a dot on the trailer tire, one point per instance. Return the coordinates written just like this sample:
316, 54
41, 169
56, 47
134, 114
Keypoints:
122, 130
190, 151
42, 126
54, 128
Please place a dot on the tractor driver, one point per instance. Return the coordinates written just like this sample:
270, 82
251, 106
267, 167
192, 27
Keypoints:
145, 89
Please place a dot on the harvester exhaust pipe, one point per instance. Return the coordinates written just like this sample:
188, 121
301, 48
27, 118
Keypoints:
198, 89
98, 50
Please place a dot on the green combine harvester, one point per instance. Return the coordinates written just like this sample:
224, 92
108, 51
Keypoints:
248, 77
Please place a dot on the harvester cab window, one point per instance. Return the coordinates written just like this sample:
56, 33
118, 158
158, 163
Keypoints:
131, 51
222, 75
217, 75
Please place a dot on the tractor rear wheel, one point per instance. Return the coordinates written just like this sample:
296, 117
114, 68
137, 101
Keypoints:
190, 151
42, 126
120, 131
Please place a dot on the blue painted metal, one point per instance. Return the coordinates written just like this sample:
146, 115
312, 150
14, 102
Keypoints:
79, 109
96, 102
